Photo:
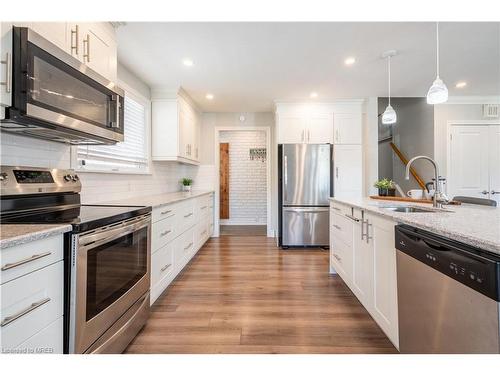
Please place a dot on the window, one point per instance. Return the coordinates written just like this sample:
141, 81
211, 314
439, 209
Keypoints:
129, 156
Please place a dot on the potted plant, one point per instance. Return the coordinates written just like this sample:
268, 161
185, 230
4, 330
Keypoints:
186, 184
385, 187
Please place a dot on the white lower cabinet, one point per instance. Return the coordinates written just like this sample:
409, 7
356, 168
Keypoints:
31, 295
362, 252
179, 230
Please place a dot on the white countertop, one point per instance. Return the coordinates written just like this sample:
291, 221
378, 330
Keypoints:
471, 224
160, 199
17, 234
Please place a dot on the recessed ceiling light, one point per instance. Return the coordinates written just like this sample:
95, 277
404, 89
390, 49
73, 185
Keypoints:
461, 84
209, 96
187, 62
313, 95
349, 61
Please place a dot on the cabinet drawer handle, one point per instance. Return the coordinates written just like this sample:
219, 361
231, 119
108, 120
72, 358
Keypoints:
8, 71
352, 218
86, 55
336, 209
164, 268
337, 227
165, 212
188, 246
165, 233
204, 207
337, 257
205, 231
8, 266
190, 214
33, 306
77, 37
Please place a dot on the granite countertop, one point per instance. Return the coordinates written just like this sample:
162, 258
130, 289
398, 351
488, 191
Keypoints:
161, 199
17, 234
471, 224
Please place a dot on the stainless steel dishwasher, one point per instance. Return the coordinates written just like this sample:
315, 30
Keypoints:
448, 295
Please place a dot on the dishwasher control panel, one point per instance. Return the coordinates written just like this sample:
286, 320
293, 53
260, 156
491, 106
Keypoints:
470, 266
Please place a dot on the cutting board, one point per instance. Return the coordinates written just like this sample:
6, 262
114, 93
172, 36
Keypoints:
401, 199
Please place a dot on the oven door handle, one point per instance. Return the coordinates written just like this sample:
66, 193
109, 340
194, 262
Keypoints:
92, 240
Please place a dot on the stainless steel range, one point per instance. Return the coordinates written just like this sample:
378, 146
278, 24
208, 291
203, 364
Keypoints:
107, 255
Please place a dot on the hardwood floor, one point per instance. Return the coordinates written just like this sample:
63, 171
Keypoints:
244, 295
243, 230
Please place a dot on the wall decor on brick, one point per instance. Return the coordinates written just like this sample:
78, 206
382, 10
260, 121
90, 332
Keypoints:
247, 178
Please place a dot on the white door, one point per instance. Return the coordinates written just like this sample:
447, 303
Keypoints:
320, 128
362, 277
469, 172
494, 164
348, 169
347, 128
292, 128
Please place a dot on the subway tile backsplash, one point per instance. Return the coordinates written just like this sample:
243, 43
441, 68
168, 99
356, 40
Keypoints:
102, 187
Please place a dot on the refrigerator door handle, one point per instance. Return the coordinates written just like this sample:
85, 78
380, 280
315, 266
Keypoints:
285, 177
306, 209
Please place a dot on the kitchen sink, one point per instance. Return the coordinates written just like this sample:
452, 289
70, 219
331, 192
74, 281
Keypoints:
408, 209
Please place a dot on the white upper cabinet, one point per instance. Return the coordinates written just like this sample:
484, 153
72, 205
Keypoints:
320, 128
56, 32
338, 123
291, 128
348, 171
93, 43
176, 127
98, 48
347, 128
303, 123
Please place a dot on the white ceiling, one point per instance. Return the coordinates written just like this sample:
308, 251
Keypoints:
247, 66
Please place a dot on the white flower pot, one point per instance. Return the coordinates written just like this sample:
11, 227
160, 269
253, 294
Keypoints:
186, 188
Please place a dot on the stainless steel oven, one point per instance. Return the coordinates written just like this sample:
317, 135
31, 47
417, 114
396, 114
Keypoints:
110, 279
57, 97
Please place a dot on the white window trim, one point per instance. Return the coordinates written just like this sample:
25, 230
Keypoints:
138, 97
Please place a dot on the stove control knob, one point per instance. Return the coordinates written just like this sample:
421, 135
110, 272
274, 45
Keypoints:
67, 178
75, 178
3, 176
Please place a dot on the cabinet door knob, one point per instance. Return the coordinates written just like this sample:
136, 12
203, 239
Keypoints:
493, 192
485, 192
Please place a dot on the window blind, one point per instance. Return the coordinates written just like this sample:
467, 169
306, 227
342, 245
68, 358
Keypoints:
127, 156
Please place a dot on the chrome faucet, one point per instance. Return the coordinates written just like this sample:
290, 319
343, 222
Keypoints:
439, 197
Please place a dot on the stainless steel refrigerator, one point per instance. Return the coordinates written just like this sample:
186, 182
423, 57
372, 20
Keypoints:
305, 184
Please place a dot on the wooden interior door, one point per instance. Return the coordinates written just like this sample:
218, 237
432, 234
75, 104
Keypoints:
224, 181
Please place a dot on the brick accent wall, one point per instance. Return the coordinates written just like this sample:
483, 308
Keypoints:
247, 178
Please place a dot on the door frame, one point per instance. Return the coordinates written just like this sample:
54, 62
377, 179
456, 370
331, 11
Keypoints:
449, 126
269, 158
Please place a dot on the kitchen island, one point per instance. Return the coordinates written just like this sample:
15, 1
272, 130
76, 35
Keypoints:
363, 252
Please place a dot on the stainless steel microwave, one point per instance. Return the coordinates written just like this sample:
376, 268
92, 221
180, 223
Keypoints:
57, 97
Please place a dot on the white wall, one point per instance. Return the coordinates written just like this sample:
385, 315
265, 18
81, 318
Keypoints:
247, 178
98, 187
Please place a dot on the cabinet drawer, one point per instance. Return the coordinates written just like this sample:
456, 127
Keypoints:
30, 303
48, 341
183, 249
163, 232
201, 232
342, 228
186, 215
163, 212
341, 258
200, 207
20, 260
162, 264
339, 209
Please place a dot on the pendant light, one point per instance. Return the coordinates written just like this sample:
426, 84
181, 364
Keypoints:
438, 92
389, 116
